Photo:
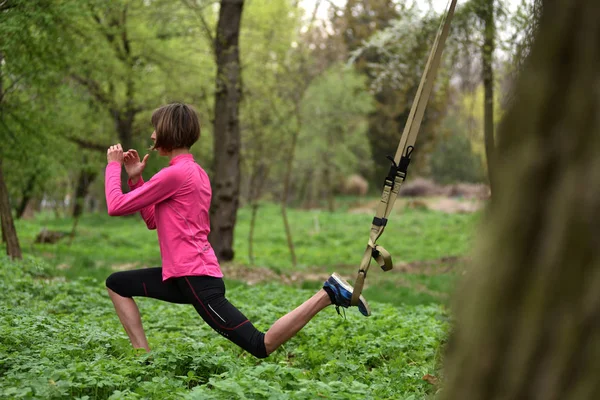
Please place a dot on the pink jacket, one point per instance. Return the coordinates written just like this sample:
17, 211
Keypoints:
175, 202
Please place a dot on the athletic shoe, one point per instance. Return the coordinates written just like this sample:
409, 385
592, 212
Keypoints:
340, 293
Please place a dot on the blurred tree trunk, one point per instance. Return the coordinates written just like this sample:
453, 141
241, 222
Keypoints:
124, 125
486, 13
287, 179
528, 314
9, 233
258, 178
226, 181
85, 179
304, 79
27, 194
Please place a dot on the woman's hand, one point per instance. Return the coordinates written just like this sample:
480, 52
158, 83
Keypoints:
115, 153
133, 165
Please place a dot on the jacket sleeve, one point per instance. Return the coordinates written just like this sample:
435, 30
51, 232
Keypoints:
146, 212
159, 188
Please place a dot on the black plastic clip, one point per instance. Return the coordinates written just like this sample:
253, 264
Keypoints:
391, 176
405, 161
380, 221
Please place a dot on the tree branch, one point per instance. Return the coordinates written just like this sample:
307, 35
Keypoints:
205, 27
84, 144
5, 5
94, 89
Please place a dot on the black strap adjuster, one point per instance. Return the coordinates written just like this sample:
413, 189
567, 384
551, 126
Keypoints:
380, 221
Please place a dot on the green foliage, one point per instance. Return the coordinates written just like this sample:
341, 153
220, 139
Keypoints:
35, 44
267, 111
394, 58
333, 143
322, 238
454, 161
62, 339
338, 238
129, 242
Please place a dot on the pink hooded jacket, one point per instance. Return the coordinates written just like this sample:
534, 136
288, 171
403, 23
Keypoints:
175, 202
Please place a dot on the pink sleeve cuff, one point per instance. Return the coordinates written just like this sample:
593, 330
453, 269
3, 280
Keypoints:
139, 183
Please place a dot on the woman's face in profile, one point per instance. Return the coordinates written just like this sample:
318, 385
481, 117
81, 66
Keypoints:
160, 151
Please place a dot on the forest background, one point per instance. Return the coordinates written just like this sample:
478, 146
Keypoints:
323, 91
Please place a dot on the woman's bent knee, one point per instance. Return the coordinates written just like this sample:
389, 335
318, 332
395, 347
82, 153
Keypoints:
115, 283
259, 348
259, 353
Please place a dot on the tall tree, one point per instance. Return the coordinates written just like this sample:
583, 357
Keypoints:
226, 181
133, 56
333, 142
485, 11
34, 43
9, 233
527, 319
268, 30
359, 20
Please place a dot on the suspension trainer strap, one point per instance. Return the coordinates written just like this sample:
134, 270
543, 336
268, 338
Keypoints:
399, 168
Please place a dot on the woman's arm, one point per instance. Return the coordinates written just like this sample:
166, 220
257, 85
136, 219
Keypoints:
162, 186
146, 212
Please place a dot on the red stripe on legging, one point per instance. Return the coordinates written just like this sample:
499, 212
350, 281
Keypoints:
213, 318
145, 291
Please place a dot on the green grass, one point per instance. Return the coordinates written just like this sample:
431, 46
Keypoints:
101, 243
320, 238
339, 238
62, 339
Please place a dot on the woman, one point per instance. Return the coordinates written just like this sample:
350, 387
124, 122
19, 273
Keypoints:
175, 202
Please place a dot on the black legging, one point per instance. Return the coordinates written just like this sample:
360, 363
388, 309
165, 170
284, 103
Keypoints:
205, 293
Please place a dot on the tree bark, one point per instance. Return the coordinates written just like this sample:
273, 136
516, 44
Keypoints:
287, 181
226, 181
9, 233
83, 185
528, 313
13, 249
487, 63
260, 173
27, 194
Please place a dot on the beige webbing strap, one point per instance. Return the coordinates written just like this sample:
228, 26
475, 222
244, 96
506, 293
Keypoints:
402, 159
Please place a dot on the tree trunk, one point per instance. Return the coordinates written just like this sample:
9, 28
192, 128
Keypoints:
328, 172
487, 63
328, 181
124, 125
259, 176
13, 249
254, 207
528, 313
287, 182
27, 193
83, 185
9, 233
226, 182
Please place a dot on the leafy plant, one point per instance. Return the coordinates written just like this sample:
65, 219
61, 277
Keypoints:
61, 339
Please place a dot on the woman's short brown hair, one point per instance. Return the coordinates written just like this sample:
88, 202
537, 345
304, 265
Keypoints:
176, 126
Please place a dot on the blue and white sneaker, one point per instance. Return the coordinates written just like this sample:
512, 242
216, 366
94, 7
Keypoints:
340, 293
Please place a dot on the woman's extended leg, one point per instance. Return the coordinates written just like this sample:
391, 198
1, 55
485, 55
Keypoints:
287, 326
335, 291
122, 286
207, 294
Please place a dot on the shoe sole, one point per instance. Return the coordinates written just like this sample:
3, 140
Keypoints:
349, 288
